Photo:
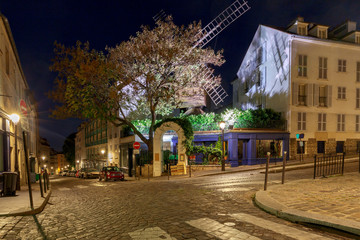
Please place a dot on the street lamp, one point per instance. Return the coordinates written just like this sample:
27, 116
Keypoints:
222, 127
15, 119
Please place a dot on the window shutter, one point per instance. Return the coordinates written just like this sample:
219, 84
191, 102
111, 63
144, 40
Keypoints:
329, 96
316, 95
295, 93
309, 95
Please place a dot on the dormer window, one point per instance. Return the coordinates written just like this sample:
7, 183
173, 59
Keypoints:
302, 30
357, 39
322, 34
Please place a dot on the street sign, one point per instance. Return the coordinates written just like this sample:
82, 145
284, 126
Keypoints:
136, 151
23, 107
136, 145
299, 136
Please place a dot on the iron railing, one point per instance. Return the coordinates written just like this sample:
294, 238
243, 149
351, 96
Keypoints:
328, 165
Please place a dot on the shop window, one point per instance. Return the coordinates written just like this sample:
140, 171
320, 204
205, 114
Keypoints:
275, 147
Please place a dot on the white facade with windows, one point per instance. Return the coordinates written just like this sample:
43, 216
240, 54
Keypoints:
312, 76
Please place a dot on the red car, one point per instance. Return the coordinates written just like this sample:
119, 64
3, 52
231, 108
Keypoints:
111, 173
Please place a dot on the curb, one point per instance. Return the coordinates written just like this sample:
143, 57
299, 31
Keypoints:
31, 212
270, 205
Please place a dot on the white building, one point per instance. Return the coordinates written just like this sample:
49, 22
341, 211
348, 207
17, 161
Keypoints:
310, 73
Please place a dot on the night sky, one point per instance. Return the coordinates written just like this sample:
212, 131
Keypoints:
37, 24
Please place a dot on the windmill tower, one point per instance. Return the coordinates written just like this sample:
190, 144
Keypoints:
214, 90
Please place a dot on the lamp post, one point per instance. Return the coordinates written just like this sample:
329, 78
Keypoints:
102, 152
222, 127
15, 119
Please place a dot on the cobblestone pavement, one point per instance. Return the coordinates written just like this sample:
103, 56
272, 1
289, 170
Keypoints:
216, 207
341, 201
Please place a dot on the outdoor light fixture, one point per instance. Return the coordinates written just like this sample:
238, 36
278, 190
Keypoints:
43, 158
102, 151
15, 118
45, 166
77, 161
222, 125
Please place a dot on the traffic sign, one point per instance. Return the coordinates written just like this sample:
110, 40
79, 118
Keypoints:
300, 136
23, 107
136, 145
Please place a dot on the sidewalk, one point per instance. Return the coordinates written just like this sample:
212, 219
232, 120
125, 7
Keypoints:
19, 205
331, 202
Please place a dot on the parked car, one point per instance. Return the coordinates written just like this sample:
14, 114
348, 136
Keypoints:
64, 173
111, 173
71, 173
89, 173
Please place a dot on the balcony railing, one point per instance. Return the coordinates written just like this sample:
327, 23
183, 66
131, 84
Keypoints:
302, 100
322, 102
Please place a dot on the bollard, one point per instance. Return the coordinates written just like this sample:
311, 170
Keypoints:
41, 189
168, 168
283, 169
190, 168
47, 181
44, 178
267, 170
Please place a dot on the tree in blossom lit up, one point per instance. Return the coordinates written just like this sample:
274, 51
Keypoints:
142, 78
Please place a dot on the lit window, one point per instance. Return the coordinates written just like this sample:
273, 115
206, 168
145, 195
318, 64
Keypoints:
357, 39
322, 68
302, 30
301, 121
341, 65
341, 93
322, 34
302, 69
341, 122
302, 95
322, 122
322, 96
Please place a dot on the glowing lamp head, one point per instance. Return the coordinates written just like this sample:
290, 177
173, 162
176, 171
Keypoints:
222, 125
15, 118
102, 151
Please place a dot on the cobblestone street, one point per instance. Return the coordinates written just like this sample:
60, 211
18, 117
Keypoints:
216, 207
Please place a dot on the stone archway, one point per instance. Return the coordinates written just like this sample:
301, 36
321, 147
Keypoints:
157, 155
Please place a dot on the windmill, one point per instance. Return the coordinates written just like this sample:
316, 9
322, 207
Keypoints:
214, 90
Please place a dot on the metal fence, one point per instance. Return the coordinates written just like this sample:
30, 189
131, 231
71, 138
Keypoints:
328, 165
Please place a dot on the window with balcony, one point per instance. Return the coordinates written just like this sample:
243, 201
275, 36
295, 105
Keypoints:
322, 122
322, 68
340, 122
322, 96
341, 93
302, 69
301, 121
341, 65
302, 95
